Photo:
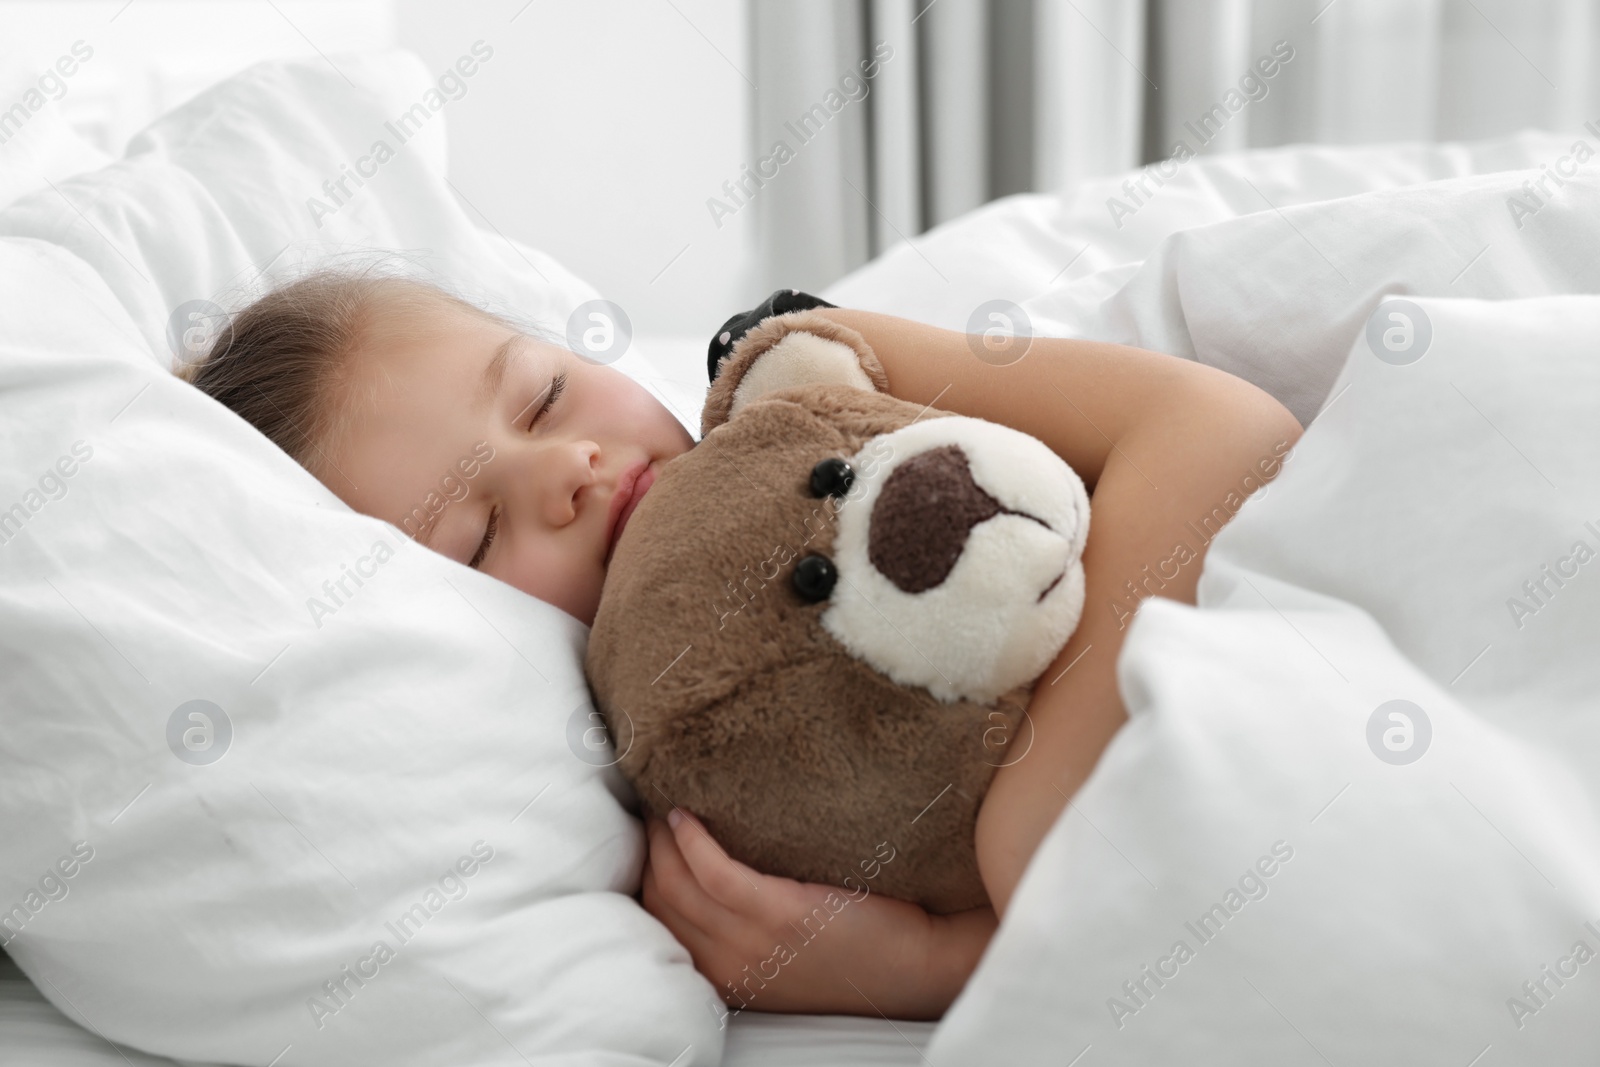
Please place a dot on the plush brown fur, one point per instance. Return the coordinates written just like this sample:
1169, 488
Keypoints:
726, 696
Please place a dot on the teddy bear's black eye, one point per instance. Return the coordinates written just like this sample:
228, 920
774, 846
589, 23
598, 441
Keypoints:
831, 477
814, 577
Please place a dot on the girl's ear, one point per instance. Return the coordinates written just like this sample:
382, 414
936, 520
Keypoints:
800, 348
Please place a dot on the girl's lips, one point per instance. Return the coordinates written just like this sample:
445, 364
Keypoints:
635, 482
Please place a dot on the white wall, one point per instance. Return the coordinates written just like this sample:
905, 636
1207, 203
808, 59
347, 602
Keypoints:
597, 133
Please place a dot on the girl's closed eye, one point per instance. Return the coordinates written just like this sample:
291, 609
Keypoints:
548, 396
488, 539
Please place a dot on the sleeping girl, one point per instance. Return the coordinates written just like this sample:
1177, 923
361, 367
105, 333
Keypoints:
379, 385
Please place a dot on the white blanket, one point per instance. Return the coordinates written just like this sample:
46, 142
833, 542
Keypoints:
1266, 263
1273, 862
1254, 873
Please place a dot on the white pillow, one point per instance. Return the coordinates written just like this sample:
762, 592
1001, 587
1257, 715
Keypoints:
1416, 871
227, 196
411, 769
37, 146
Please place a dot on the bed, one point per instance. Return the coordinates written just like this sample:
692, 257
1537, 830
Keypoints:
1325, 597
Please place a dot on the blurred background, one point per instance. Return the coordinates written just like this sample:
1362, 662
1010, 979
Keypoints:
688, 156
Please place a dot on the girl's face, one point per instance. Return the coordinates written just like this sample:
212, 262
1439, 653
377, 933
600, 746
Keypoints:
500, 451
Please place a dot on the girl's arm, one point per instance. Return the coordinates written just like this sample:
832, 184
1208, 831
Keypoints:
1169, 448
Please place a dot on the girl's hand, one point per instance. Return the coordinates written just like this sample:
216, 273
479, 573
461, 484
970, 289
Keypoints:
775, 944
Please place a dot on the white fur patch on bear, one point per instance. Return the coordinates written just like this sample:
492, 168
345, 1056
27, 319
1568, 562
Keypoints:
985, 628
800, 359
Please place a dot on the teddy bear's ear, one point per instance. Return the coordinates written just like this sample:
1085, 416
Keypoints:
800, 348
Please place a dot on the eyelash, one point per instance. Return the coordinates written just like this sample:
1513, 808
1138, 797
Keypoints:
556, 386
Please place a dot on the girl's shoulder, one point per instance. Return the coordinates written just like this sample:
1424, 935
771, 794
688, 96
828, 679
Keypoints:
781, 302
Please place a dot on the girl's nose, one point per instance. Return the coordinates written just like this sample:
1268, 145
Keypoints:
560, 478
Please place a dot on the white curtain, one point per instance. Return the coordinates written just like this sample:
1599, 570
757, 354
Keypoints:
983, 98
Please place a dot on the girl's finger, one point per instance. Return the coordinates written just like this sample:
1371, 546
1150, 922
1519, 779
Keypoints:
709, 955
682, 928
727, 881
677, 884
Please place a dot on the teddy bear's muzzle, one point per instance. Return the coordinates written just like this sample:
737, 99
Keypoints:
958, 557
924, 516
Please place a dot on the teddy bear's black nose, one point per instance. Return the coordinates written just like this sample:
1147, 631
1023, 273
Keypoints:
922, 517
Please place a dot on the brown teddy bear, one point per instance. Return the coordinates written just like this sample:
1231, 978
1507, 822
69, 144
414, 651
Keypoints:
821, 626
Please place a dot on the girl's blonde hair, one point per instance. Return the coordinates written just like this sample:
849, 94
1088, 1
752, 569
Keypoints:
283, 362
